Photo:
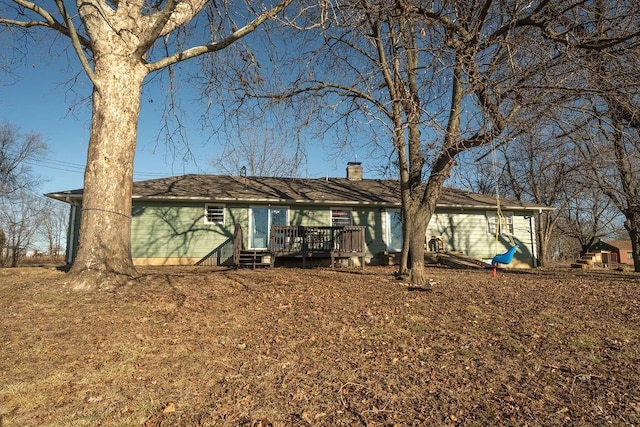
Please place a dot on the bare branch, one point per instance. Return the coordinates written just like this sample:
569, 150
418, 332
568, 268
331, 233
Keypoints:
214, 47
49, 21
77, 43
157, 29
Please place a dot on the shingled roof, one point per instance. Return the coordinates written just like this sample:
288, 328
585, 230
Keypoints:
624, 245
337, 191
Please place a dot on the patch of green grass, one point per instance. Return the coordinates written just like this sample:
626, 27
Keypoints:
474, 310
584, 343
418, 328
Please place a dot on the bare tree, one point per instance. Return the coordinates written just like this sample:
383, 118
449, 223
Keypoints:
541, 168
623, 135
119, 43
16, 149
599, 41
603, 116
53, 226
435, 78
19, 217
479, 175
260, 154
589, 216
612, 152
562, 248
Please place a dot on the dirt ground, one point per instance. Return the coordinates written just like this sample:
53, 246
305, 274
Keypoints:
203, 346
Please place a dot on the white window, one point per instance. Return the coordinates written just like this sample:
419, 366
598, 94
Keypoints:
214, 214
341, 217
504, 223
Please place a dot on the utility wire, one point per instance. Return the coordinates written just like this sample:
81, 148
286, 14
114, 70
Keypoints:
79, 168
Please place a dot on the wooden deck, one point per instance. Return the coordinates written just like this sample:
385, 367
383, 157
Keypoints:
293, 242
307, 242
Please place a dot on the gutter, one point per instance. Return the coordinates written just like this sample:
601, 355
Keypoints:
68, 198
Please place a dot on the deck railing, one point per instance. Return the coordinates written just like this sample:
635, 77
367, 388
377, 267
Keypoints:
224, 254
296, 242
317, 241
227, 253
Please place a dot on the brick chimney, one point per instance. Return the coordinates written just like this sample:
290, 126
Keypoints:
354, 171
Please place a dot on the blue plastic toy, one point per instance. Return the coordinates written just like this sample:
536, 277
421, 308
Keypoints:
506, 257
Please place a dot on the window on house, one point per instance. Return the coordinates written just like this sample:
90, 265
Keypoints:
341, 217
214, 214
629, 255
394, 230
504, 224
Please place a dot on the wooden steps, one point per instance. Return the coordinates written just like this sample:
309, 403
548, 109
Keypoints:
585, 262
254, 258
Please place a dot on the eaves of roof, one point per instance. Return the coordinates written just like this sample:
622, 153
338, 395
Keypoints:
295, 191
262, 200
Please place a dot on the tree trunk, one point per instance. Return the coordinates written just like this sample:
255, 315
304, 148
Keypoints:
403, 266
632, 224
543, 238
405, 191
543, 253
15, 255
423, 204
104, 246
420, 220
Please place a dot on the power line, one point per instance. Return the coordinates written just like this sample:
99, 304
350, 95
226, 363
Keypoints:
79, 168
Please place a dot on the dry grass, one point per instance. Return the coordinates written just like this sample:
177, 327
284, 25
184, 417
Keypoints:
290, 347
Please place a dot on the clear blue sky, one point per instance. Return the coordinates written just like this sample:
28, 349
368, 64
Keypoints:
35, 98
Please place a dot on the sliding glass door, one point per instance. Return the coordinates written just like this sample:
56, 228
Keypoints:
262, 218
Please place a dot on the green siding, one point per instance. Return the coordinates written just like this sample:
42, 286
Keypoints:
172, 231
466, 231
179, 231
309, 215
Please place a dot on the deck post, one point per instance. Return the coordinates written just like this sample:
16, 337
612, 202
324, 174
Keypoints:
304, 246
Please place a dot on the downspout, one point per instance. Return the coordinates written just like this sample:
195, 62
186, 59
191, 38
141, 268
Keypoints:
71, 232
534, 243
534, 254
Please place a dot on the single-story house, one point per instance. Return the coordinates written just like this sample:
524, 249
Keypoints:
612, 252
181, 220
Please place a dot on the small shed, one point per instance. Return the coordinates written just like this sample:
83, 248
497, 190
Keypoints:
612, 252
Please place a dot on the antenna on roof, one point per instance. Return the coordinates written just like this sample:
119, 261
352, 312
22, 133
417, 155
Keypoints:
243, 174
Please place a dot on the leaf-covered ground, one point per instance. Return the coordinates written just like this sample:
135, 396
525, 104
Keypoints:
316, 347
